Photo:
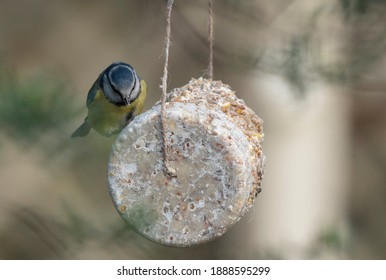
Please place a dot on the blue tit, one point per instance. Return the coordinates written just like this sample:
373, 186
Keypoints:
115, 98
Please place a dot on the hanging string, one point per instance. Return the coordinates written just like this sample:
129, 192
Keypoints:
168, 170
210, 40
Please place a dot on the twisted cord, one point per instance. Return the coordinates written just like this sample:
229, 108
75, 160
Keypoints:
168, 170
210, 40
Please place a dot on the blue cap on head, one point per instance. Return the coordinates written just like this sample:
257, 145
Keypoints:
120, 83
121, 77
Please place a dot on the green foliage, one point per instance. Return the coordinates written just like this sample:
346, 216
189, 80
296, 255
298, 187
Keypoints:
333, 239
33, 107
358, 7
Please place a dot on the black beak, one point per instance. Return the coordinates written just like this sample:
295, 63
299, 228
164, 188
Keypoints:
126, 100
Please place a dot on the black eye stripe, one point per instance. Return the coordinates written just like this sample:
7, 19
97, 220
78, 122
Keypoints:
113, 85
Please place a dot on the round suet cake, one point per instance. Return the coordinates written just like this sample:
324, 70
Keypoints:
214, 144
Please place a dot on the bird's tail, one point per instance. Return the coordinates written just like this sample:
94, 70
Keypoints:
83, 130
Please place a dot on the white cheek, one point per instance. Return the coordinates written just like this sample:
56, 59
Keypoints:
135, 92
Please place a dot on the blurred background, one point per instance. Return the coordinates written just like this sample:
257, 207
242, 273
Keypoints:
313, 70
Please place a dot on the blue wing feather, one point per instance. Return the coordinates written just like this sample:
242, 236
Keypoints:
93, 92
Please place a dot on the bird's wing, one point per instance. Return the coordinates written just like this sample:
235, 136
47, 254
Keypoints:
94, 93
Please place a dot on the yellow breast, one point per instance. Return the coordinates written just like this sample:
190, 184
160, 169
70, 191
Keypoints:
107, 118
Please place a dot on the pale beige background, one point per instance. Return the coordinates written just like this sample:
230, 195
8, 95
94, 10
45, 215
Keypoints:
313, 70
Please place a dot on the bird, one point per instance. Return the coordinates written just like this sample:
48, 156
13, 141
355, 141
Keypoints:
115, 98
